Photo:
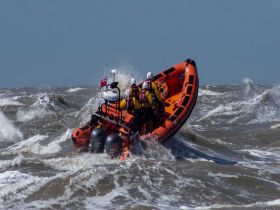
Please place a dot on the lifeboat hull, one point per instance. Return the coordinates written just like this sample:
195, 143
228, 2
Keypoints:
182, 83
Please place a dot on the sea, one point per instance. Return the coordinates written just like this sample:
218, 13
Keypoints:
226, 156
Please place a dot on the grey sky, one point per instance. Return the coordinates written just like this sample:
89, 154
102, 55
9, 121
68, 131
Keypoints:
70, 42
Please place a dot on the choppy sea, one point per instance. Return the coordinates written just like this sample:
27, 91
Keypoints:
226, 156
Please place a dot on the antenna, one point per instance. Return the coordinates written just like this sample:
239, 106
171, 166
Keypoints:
114, 72
105, 71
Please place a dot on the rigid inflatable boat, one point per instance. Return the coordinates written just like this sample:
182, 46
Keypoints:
110, 127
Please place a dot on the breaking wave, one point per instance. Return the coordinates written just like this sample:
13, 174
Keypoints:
206, 92
9, 102
8, 131
248, 86
72, 90
263, 107
27, 115
39, 109
257, 205
36, 145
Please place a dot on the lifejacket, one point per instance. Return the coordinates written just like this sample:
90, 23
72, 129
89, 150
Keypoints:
146, 100
155, 93
150, 88
135, 91
129, 104
142, 98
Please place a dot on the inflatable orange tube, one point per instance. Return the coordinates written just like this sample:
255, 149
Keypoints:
182, 83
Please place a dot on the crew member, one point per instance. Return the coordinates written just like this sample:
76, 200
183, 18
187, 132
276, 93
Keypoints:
131, 104
134, 89
152, 87
147, 107
146, 97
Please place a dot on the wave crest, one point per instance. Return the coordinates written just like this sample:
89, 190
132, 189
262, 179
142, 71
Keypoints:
259, 108
39, 109
7, 130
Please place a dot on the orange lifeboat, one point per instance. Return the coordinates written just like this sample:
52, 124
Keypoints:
110, 128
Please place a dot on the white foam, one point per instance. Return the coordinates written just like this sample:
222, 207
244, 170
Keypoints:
8, 131
274, 126
33, 145
248, 89
264, 153
4, 164
72, 90
203, 92
262, 166
25, 145
9, 102
37, 110
198, 160
197, 127
27, 115
14, 183
266, 114
265, 106
103, 202
89, 108
5, 92
52, 147
18, 160
79, 161
83, 180
221, 175
220, 141
224, 206
220, 110
16, 187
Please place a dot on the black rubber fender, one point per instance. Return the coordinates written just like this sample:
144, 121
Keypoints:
97, 140
113, 145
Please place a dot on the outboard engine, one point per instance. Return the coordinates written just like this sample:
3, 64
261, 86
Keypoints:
97, 140
113, 145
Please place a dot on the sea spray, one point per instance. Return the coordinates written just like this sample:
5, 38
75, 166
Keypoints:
8, 132
248, 87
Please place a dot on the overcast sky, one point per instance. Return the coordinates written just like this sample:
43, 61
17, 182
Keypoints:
47, 42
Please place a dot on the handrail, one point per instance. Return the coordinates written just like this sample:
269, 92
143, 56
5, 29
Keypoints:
112, 121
